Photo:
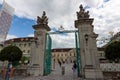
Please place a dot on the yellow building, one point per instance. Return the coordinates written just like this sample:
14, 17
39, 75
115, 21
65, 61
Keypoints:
67, 55
63, 54
23, 43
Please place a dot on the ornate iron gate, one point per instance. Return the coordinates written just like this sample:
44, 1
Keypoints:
78, 60
47, 55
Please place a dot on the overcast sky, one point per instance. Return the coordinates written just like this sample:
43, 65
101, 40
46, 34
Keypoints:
106, 14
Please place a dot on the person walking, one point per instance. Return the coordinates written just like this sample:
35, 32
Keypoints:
63, 68
74, 68
59, 62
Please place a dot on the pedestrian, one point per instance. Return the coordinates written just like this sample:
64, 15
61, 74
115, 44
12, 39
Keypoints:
74, 68
59, 62
63, 68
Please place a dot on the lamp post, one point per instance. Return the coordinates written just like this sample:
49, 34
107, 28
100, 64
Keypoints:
86, 38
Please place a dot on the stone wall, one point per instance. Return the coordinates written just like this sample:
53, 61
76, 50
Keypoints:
110, 66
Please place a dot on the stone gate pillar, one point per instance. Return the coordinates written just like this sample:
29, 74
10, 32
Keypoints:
88, 48
38, 48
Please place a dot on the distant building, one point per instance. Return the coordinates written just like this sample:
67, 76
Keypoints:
6, 13
101, 55
63, 54
23, 43
67, 55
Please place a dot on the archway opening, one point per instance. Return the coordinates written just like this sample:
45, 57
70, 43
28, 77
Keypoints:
62, 48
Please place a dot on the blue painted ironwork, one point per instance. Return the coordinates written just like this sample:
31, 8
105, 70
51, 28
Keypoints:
78, 59
47, 55
63, 31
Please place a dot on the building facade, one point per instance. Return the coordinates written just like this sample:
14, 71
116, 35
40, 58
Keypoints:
63, 54
67, 55
6, 13
23, 43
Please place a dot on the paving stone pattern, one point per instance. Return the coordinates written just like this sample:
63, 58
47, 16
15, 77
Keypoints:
55, 75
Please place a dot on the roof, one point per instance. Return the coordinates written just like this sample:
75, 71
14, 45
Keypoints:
24, 39
61, 49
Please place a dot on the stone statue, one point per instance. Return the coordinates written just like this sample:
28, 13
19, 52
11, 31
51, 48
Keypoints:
43, 19
82, 13
87, 14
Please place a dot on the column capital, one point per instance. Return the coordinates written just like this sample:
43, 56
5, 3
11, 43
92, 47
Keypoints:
41, 26
83, 21
94, 35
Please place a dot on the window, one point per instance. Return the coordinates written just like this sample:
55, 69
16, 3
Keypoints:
70, 54
28, 51
65, 54
74, 55
20, 45
25, 45
23, 51
61, 54
58, 55
29, 44
101, 54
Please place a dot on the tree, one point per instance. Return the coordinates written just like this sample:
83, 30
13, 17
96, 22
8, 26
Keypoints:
24, 59
11, 54
112, 51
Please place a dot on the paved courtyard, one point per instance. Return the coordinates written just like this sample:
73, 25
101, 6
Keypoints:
55, 75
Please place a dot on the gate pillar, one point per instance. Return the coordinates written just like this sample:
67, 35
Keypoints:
88, 49
38, 48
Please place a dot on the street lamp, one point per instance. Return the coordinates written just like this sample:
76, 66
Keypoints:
86, 38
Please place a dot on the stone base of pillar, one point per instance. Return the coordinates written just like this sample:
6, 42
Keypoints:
93, 74
35, 71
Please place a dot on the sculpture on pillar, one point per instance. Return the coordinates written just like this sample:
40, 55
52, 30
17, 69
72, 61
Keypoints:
43, 19
82, 14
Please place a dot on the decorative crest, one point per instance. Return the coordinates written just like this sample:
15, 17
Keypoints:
61, 28
43, 19
82, 14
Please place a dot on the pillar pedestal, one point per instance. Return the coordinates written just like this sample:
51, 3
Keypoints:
88, 49
38, 47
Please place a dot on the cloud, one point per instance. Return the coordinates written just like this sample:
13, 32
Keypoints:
94, 3
63, 41
31, 35
11, 37
110, 18
59, 13
105, 12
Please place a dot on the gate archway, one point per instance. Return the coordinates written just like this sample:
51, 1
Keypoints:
48, 54
86, 49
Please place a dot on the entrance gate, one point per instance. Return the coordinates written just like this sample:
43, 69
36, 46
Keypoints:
78, 60
47, 55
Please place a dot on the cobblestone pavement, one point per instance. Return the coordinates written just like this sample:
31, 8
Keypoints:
55, 75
